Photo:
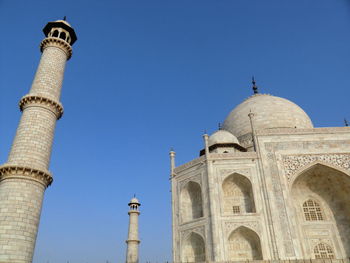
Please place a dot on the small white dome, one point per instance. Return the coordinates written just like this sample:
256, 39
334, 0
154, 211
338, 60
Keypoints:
222, 137
269, 112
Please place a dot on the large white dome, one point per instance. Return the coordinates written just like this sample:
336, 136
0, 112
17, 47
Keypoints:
269, 112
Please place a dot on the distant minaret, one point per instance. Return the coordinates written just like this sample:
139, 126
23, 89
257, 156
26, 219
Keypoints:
132, 253
25, 176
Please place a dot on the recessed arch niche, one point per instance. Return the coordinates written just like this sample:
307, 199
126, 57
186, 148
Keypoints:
191, 205
193, 248
238, 195
331, 188
244, 244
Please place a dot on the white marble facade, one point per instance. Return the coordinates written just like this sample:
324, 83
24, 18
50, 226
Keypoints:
266, 186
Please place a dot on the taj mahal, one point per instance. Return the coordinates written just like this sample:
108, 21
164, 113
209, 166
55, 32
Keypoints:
267, 185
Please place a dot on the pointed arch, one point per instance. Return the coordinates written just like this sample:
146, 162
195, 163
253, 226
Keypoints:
193, 248
238, 195
191, 205
244, 244
330, 186
312, 165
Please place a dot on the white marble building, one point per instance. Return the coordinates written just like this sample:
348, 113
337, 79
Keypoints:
268, 185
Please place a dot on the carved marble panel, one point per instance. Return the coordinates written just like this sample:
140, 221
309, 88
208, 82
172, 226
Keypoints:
279, 200
293, 163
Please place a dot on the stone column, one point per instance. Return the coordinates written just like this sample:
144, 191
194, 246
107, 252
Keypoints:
213, 246
132, 252
25, 176
172, 155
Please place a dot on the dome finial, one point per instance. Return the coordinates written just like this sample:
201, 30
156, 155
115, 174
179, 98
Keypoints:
64, 18
255, 88
219, 126
346, 122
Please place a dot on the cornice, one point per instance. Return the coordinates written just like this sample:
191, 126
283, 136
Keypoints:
44, 102
189, 164
214, 157
231, 156
289, 131
57, 42
8, 171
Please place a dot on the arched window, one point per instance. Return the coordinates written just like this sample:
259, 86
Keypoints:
323, 250
63, 35
312, 211
55, 33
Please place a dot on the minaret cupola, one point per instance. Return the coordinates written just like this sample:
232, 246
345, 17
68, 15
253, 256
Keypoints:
60, 29
134, 204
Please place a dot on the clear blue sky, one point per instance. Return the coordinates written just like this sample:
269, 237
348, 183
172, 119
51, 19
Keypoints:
149, 75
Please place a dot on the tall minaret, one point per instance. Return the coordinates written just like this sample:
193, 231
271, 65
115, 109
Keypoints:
25, 176
132, 252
